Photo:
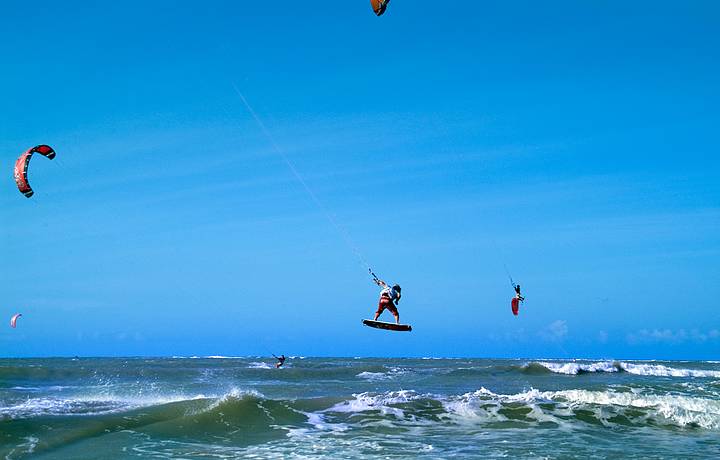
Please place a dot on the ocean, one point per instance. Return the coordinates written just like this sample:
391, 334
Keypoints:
225, 407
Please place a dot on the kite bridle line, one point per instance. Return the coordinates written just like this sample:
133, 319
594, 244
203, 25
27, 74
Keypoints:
512, 283
341, 229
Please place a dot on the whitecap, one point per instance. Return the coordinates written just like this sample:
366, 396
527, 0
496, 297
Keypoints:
364, 402
373, 376
379, 376
574, 368
84, 405
683, 411
659, 370
259, 365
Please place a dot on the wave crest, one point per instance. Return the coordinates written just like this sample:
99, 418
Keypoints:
606, 407
656, 370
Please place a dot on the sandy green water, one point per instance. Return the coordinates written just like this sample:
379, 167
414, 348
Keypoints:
357, 408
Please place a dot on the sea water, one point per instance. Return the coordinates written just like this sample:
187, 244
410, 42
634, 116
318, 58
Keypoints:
218, 407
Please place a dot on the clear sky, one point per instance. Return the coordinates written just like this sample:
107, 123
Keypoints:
575, 142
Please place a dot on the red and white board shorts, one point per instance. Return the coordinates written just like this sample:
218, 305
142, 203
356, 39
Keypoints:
386, 303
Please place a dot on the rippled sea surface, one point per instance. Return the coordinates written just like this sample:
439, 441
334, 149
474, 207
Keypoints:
221, 407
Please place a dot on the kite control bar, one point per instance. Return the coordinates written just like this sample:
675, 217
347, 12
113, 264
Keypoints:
375, 278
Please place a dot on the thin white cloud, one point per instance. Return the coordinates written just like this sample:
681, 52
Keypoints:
555, 331
669, 336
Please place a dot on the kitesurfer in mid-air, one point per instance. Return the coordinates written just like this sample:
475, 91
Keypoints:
389, 298
517, 293
281, 361
515, 303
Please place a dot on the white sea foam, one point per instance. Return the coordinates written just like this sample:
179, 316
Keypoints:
574, 368
379, 376
484, 405
658, 370
683, 410
363, 402
259, 365
30, 444
84, 405
677, 410
27, 447
317, 420
665, 371
108, 403
373, 376
239, 393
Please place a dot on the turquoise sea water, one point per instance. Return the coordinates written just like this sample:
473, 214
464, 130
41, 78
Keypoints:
217, 407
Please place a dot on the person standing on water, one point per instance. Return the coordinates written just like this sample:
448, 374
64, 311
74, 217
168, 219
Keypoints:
281, 361
389, 298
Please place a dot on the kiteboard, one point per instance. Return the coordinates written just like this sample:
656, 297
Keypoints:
387, 326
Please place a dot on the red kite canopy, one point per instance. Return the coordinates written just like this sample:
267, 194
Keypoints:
21, 167
13, 320
379, 6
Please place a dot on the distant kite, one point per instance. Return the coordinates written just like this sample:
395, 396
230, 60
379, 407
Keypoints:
13, 320
21, 167
379, 6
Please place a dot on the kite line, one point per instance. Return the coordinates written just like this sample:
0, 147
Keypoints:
330, 216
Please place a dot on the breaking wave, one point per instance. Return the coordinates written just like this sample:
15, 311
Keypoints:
656, 370
683, 411
245, 417
533, 407
605, 407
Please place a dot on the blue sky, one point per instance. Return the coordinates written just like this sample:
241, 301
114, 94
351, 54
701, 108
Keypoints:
575, 143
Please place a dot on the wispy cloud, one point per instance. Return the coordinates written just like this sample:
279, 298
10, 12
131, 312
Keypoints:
555, 331
669, 336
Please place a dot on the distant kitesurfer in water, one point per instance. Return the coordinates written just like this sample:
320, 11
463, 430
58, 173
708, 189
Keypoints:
389, 298
281, 361
517, 293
